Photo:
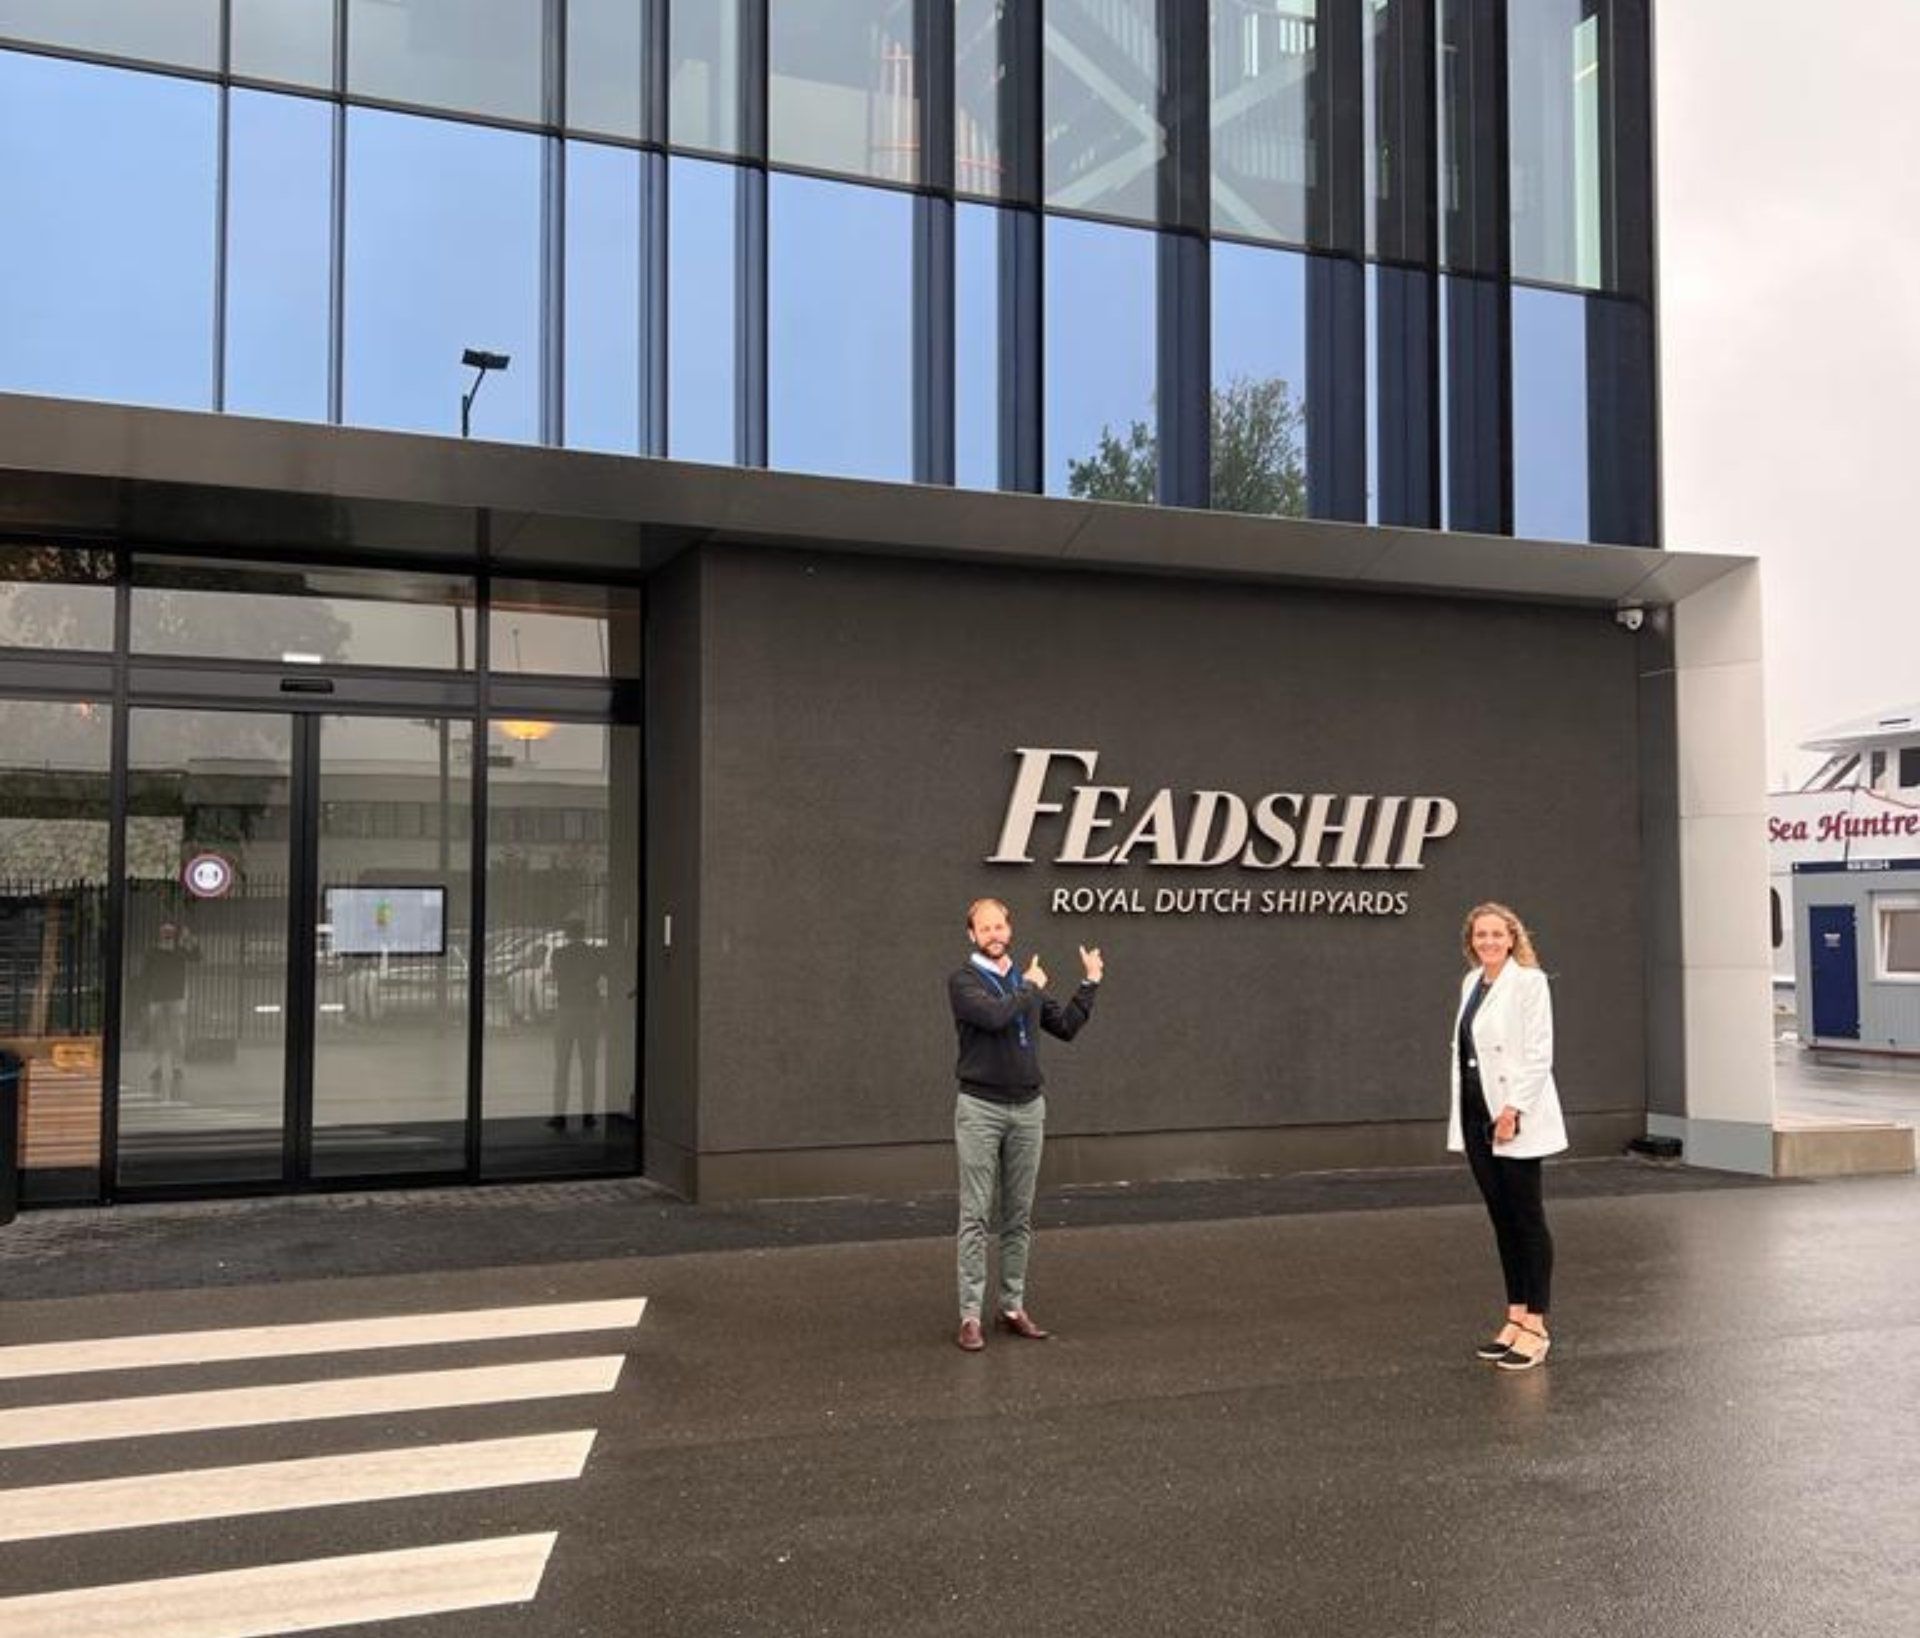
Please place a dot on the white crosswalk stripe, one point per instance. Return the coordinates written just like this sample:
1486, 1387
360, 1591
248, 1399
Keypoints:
316, 1337
314, 1593
37, 1512
303, 1597
95, 1419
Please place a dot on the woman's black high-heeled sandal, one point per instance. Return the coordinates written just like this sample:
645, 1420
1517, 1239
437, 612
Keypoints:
1514, 1360
1493, 1348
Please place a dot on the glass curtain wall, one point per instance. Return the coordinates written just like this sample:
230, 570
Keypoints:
95, 162
280, 172
988, 134
1105, 135
1102, 441
1264, 158
841, 92
291, 41
1553, 113
706, 90
840, 311
1259, 422
644, 238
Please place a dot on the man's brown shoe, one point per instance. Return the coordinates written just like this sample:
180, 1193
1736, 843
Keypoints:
970, 1337
1016, 1321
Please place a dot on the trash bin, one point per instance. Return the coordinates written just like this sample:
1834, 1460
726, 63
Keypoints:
9, 1134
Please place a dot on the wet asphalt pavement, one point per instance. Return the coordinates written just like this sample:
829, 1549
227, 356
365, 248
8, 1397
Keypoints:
1260, 1414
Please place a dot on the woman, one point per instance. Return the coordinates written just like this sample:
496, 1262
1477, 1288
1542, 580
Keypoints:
1506, 1115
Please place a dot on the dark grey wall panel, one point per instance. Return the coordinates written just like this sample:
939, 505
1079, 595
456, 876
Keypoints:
671, 1086
861, 717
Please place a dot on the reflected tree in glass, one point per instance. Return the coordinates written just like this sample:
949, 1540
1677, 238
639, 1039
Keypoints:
191, 609
58, 597
1258, 428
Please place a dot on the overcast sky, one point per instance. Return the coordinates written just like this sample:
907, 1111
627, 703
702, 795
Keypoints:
1789, 144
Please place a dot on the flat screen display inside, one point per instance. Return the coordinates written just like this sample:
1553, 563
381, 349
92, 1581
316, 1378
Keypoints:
397, 920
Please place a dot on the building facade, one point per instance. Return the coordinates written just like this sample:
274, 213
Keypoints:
716, 484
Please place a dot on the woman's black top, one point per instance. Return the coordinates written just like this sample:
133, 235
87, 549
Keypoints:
1469, 1063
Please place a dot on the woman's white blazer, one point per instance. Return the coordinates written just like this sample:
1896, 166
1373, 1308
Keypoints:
1513, 1043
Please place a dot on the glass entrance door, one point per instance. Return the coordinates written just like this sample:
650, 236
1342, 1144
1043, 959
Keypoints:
210, 893
294, 1001
392, 944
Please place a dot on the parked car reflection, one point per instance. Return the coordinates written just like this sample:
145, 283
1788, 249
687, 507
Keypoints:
520, 985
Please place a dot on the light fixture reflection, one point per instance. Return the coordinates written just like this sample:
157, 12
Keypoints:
528, 733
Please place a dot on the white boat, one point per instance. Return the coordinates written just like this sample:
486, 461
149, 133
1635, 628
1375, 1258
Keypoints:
1861, 806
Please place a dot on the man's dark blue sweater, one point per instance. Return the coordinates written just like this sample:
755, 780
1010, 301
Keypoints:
997, 1017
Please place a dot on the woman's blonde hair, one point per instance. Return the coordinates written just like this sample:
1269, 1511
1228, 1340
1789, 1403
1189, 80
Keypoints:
1523, 950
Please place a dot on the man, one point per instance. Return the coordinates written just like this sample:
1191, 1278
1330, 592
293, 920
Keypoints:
164, 979
579, 970
999, 1117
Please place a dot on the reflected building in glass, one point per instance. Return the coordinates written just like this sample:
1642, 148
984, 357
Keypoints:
895, 282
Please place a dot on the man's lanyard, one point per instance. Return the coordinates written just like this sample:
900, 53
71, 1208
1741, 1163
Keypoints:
1012, 980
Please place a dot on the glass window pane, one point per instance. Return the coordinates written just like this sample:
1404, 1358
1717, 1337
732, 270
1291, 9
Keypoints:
1473, 234
979, 352
1402, 424
204, 995
185, 33
1263, 150
279, 277
561, 951
1104, 138
606, 219
289, 40
841, 95
1101, 439
1902, 930
984, 140
1259, 401
606, 67
390, 1024
564, 631
703, 79
478, 56
1474, 377
54, 807
58, 597
1550, 415
1622, 410
443, 254
301, 616
703, 235
1397, 51
840, 322
1553, 78
103, 170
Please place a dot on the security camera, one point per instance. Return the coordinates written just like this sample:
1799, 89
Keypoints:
1630, 618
